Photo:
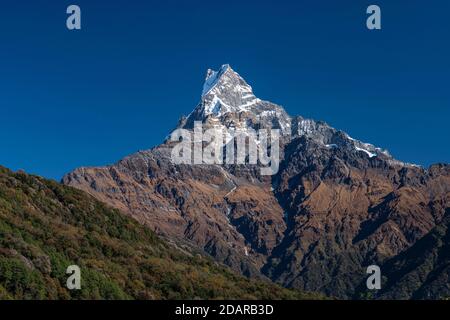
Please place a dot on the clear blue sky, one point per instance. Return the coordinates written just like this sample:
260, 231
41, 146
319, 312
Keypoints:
90, 97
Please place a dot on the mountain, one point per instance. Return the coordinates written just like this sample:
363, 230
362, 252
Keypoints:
45, 227
334, 205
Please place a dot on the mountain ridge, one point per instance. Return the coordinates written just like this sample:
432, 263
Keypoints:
334, 199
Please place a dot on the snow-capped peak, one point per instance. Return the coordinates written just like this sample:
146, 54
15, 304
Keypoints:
226, 91
227, 99
212, 77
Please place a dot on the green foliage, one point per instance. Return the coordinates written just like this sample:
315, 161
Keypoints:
45, 227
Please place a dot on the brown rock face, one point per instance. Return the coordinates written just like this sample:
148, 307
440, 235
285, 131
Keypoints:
237, 221
422, 271
344, 215
335, 206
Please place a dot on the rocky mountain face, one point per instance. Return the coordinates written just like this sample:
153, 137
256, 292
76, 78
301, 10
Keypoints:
335, 206
422, 271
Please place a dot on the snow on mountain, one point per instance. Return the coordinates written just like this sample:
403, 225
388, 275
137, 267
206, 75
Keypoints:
226, 91
228, 100
370, 154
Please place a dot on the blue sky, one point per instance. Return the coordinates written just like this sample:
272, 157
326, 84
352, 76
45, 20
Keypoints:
90, 97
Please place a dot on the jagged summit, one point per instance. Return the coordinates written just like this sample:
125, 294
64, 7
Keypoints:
226, 91
223, 80
228, 100
213, 77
